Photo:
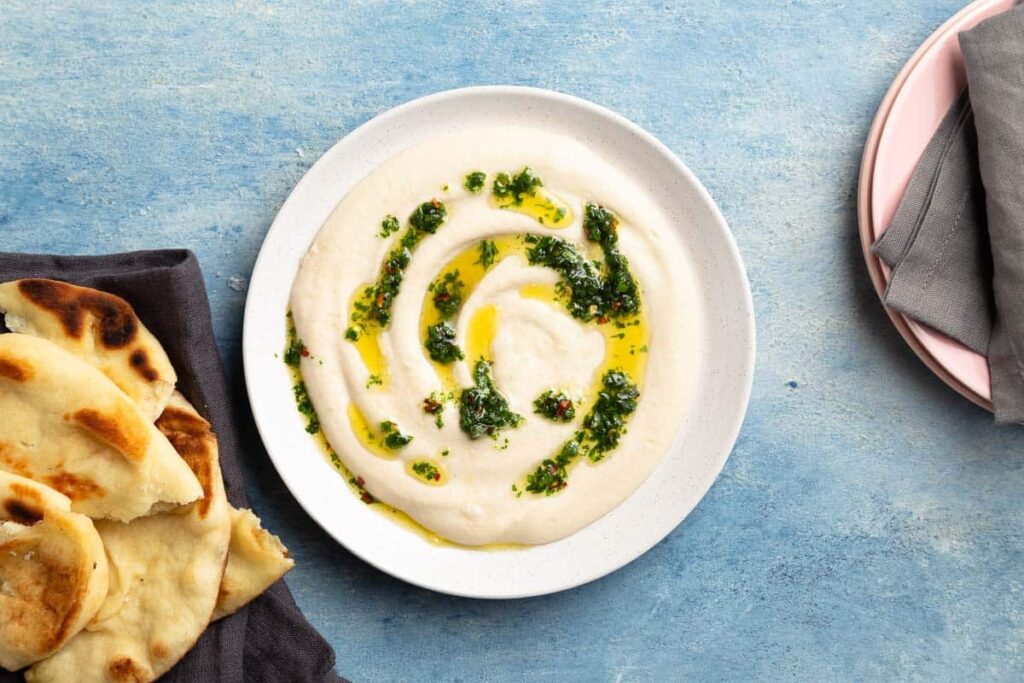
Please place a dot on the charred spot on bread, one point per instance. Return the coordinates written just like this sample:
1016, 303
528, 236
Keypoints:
158, 650
12, 463
114, 430
21, 512
139, 361
15, 369
74, 487
25, 505
118, 325
195, 442
124, 670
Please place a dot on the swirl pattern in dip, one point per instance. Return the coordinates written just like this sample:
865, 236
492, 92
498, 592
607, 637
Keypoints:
497, 335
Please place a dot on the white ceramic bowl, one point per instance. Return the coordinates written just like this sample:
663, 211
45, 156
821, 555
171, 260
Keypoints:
680, 480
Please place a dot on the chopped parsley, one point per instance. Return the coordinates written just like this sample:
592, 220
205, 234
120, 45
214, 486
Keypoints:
393, 437
603, 428
593, 291
294, 351
305, 406
374, 306
388, 226
441, 344
522, 184
605, 424
550, 475
426, 470
428, 216
483, 411
448, 294
374, 381
557, 407
475, 181
488, 254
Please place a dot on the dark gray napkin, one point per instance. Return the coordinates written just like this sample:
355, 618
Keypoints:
268, 641
994, 55
956, 243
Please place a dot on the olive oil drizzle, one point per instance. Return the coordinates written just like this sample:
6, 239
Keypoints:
617, 313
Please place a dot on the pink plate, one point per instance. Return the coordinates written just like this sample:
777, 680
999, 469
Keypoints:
907, 118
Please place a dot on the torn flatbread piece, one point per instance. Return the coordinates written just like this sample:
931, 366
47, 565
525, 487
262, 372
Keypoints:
65, 424
256, 560
166, 572
53, 571
99, 328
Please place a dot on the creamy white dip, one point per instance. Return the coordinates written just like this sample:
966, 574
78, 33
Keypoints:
537, 346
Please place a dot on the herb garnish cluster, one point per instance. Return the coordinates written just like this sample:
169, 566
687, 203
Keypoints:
426, 470
393, 436
483, 411
594, 290
441, 344
603, 428
374, 306
556, 407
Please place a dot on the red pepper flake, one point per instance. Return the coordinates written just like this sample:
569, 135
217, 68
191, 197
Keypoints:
431, 406
437, 476
602, 319
367, 498
443, 297
360, 482
434, 203
563, 406
380, 298
305, 352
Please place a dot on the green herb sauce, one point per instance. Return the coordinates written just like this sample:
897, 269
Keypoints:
428, 471
294, 351
448, 294
517, 187
556, 407
441, 344
374, 306
474, 181
600, 291
603, 428
483, 411
388, 226
393, 436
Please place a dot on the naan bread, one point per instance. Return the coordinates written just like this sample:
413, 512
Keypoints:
100, 328
165, 572
256, 560
53, 572
62, 313
64, 424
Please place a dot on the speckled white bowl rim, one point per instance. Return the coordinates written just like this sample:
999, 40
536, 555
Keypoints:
685, 473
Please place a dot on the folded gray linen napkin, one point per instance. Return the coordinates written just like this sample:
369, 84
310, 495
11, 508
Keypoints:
956, 243
269, 640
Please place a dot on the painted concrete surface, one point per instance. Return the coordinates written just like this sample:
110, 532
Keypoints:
868, 524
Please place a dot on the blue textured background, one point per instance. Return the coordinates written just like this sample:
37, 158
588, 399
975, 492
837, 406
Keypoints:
868, 524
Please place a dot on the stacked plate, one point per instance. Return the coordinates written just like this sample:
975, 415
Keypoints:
907, 118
